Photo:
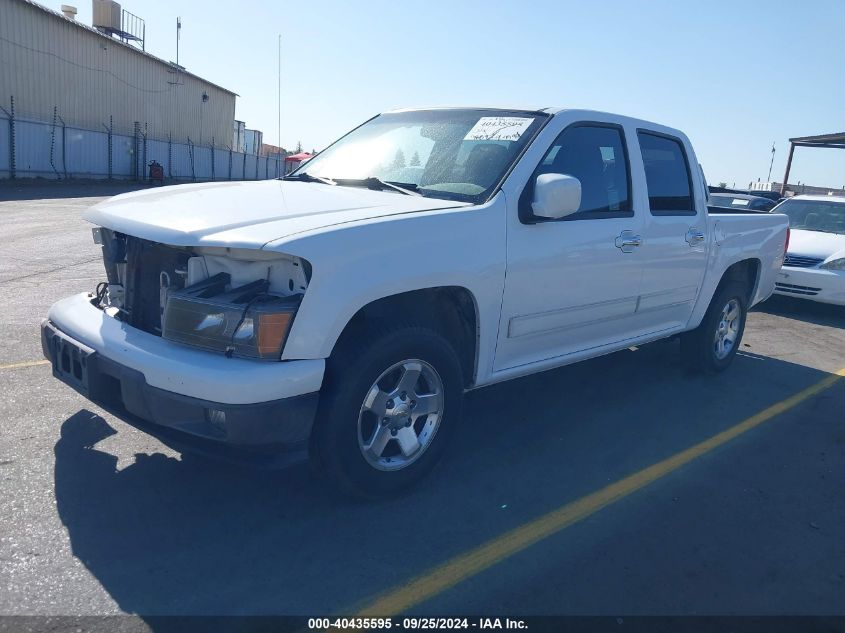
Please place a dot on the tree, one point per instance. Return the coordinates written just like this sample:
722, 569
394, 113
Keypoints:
298, 147
399, 160
723, 185
415, 160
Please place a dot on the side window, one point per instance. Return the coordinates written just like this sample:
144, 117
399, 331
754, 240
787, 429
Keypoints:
596, 156
667, 175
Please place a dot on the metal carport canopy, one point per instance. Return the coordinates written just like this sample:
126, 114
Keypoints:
836, 141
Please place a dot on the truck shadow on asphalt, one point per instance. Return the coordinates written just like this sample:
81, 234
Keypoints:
803, 310
169, 537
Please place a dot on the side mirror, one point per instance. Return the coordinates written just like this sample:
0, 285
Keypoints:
556, 196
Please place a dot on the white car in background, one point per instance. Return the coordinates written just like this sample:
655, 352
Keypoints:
814, 266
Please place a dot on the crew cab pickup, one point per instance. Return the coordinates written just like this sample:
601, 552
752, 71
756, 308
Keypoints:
343, 311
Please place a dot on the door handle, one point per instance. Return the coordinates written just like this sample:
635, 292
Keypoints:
627, 241
695, 237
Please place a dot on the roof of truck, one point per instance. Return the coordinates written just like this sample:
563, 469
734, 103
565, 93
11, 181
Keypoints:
544, 110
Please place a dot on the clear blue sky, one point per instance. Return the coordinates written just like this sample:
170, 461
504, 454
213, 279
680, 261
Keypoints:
735, 76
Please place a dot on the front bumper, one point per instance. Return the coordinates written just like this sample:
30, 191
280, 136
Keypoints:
236, 424
815, 284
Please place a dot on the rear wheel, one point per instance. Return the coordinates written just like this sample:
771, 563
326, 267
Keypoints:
711, 347
389, 405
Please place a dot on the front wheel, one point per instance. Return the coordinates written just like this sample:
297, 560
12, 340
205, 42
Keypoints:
390, 403
711, 347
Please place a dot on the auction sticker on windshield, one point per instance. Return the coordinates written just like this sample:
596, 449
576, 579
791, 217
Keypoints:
498, 128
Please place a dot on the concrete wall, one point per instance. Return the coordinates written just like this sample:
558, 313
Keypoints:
795, 189
48, 60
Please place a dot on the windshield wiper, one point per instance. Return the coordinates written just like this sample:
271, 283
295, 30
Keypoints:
306, 177
406, 188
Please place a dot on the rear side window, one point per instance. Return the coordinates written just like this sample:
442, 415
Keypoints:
667, 175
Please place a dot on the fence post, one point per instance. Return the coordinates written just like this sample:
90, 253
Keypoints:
191, 154
64, 147
212, 158
11, 116
144, 162
53, 142
12, 164
266, 168
109, 130
136, 132
257, 161
230, 162
170, 155
243, 175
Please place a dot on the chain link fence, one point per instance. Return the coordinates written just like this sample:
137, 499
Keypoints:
31, 148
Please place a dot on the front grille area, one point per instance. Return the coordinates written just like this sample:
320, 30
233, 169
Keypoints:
797, 290
801, 261
148, 266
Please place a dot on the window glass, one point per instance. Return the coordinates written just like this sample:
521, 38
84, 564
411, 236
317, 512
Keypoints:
455, 154
762, 204
667, 175
596, 157
814, 215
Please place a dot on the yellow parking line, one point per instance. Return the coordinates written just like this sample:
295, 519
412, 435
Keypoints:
498, 549
31, 363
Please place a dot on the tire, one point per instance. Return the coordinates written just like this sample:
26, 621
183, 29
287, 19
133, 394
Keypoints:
701, 348
362, 435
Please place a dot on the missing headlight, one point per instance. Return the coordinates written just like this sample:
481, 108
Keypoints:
245, 321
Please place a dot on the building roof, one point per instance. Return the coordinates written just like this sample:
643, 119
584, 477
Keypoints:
113, 40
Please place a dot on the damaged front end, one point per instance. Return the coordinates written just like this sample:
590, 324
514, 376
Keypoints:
238, 302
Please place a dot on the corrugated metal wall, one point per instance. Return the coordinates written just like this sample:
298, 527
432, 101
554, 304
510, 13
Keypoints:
47, 60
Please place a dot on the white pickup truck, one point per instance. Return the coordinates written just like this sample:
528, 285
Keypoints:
343, 310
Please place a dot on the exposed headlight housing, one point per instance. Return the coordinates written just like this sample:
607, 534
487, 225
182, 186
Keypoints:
834, 264
244, 321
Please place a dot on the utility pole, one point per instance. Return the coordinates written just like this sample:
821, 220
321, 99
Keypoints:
280, 95
178, 33
769, 179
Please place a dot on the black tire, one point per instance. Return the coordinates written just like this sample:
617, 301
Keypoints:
350, 373
698, 347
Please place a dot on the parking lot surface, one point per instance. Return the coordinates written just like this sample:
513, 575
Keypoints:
98, 518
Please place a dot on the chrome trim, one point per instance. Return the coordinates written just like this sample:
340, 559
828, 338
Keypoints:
627, 241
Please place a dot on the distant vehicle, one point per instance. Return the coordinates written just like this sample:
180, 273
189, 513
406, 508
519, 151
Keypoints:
742, 201
771, 195
814, 266
344, 310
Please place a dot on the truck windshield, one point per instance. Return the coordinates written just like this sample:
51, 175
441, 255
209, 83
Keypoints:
814, 215
459, 154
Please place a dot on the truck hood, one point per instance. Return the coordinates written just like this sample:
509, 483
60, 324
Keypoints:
815, 243
247, 214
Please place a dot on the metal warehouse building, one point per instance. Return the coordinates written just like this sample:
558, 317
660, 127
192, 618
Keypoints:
51, 60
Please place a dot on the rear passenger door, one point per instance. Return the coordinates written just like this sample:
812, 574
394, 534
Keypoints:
674, 251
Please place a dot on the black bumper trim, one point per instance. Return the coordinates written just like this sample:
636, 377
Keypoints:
271, 433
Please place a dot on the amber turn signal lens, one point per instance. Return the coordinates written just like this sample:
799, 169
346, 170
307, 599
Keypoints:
272, 330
